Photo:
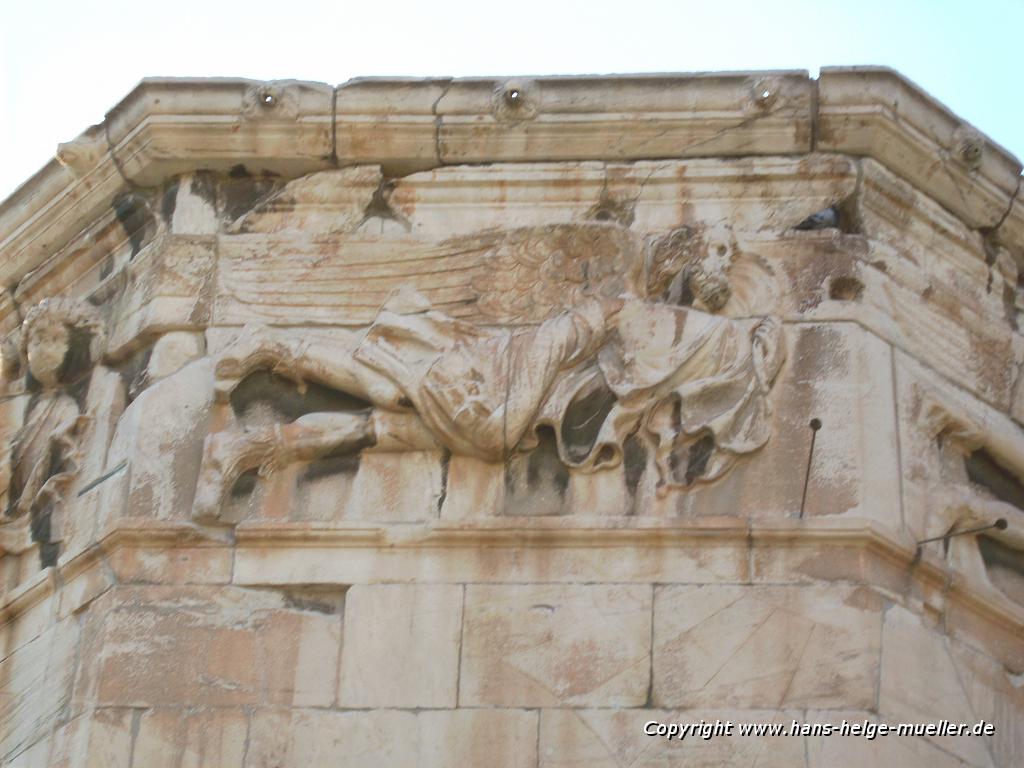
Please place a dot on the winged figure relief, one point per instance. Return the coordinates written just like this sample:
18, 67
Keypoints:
567, 311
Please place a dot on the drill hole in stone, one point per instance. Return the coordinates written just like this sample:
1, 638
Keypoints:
971, 152
267, 99
845, 288
514, 97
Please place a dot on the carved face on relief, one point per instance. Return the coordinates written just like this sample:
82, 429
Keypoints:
708, 279
46, 349
58, 333
688, 265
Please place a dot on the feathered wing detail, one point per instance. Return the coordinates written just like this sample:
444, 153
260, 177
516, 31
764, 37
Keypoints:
531, 274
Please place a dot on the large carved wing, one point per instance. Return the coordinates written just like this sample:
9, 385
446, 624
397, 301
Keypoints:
530, 274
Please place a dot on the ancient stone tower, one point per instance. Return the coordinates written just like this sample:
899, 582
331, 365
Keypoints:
505, 423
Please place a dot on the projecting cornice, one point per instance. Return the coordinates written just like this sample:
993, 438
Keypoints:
166, 127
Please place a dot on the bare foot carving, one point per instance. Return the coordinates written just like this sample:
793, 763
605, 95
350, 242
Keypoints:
228, 455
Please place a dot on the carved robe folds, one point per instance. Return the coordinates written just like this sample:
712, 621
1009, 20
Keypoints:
574, 360
477, 391
677, 375
594, 375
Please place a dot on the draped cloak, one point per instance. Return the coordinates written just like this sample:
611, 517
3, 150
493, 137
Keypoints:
673, 372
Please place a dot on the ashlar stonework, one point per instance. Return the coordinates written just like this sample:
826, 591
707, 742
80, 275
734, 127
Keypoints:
462, 422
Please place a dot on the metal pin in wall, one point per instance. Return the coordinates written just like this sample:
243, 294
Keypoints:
1000, 525
815, 425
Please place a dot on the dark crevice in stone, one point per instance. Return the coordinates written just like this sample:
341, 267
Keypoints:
841, 216
698, 457
264, 390
380, 206
826, 218
984, 470
169, 201
133, 372
446, 460
41, 529
245, 484
845, 288
583, 419
241, 193
537, 483
1004, 565
137, 220
329, 466
318, 598
634, 460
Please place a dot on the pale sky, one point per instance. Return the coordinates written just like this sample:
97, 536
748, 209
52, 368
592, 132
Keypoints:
64, 64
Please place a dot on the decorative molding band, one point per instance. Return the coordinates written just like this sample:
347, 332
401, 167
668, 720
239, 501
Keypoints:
166, 127
857, 551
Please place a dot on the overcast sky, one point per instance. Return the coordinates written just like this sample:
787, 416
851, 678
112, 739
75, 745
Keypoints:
63, 64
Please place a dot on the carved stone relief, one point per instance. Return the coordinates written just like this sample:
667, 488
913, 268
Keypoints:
978, 518
621, 328
62, 342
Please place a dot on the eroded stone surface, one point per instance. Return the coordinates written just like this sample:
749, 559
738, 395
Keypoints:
317, 448
606, 738
530, 646
765, 647
401, 646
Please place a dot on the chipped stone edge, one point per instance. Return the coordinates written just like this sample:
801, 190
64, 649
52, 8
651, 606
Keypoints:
169, 126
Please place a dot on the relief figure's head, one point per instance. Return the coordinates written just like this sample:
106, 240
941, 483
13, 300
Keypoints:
690, 265
60, 338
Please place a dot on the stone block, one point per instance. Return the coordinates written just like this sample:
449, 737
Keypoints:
401, 646
904, 751
191, 738
84, 587
474, 489
876, 111
158, 445
841, 375
170, 288
561, 559
920, 683
173, 565
397, 486
311, 737
33, 620
765, 647
35, 688
209, 646
172, 352
104, 405
603, 738
497, 738
99, 739
556, 645
571, 118
324, 203
994, 696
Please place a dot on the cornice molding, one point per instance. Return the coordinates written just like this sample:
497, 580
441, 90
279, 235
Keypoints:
166, 127
880, 557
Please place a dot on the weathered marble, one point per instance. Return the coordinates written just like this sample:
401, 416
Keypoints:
484, 421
